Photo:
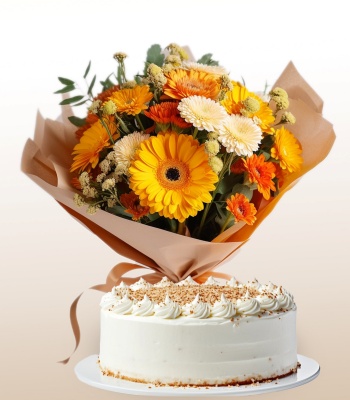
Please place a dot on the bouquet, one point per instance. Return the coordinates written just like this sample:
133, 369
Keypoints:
182, 147
176, 167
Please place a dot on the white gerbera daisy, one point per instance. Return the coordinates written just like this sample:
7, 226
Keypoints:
202, 113
240, 135
211, 69
125, 148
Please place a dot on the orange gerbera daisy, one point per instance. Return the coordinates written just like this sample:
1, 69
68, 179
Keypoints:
185, 83
287, 150
233, 103
167, 113
132, 204
261, 172
241, 209
132, 101
87, 152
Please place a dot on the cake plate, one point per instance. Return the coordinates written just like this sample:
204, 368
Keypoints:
88, 372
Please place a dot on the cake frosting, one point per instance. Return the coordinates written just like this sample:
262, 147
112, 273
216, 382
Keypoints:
215, 333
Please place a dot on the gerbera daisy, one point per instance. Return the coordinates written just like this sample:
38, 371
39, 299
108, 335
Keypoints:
171, 175
241, 209
240, 135
132, 101
261, 172
166, 113
131, 202
184, 83
202, 113
233, 103
287, 150
125, 148
87, 152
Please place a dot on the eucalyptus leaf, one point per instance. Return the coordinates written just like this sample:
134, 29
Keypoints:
79, 104
77, 121
66, 81
92, 85
87, 70
207, 60
243, 189
154, 56
71, 100
227, 183
66, 89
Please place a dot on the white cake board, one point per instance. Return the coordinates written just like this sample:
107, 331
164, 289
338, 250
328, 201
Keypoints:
89, 372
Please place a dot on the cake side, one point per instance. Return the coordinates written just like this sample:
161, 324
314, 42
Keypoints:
211, 335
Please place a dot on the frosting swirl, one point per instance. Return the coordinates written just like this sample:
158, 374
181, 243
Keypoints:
140, 284
123, 306
167, 310
145, 307
223, 308
196, 309
248, 305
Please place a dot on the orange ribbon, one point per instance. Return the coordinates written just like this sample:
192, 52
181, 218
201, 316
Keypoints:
115, 276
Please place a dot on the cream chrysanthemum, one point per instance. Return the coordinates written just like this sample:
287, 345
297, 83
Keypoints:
202, 113
125, 148
240, 135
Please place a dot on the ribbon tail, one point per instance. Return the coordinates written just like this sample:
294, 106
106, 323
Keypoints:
75, 327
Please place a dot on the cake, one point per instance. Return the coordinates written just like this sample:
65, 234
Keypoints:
215, 333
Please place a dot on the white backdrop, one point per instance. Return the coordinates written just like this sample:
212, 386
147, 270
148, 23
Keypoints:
47, 258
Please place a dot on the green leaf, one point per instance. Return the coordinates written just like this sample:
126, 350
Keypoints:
154, 56
65, 81
87, 70
227, 183
71, 100
66, 89
92, 85
77, 121
79, 104
107, 83
207, 60
243, 189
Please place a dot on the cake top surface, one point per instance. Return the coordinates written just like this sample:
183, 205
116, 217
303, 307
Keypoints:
213, 298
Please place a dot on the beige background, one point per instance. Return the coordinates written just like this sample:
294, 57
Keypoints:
47, 258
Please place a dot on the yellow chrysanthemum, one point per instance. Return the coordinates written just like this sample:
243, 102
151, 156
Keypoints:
171, 175
287, 150
87, 152
234, 104
185, 83
132, 101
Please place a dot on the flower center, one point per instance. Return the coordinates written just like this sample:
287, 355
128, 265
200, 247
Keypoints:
173, 174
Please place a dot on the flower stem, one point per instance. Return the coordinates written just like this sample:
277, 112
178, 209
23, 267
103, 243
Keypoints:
139, 122
228, 219
181, 228
195, 133
107, 129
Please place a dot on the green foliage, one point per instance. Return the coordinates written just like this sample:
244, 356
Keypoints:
71, 100
77, 121
154, 56
207, 60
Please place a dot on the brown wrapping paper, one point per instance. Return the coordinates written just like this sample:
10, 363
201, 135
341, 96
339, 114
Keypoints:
47, 159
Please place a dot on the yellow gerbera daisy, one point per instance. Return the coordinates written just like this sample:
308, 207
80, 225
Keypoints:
86, 153
184, 83
233, 103
171, 175
287, 150
132, 101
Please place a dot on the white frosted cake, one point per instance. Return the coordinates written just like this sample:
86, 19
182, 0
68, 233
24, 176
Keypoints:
217, 333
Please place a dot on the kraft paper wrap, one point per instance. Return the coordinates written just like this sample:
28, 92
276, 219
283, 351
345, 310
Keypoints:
47, 160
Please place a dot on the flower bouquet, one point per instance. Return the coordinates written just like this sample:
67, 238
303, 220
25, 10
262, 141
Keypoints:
176, 167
